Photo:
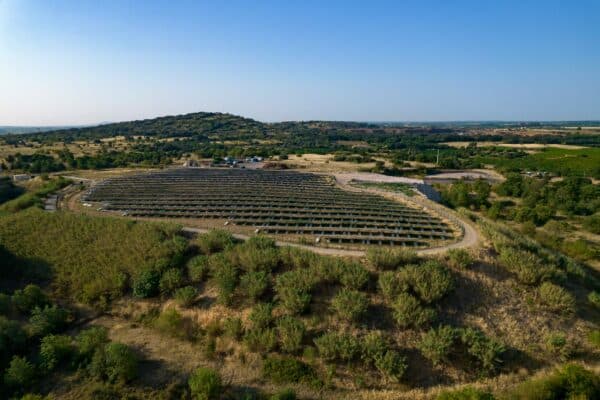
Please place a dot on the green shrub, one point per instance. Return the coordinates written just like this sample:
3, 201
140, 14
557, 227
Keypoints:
556, 299
467, 393
529, 268
214, 241
594, 299
594, 338
205, 384
185, 296
353, 275
437, 344
592, 223
568, 382
170, 280
338, 347
294, 258
390, 285
254, 257
47, 320
20, 373
558, 346
114, 363
198, 268
285, 394
5, 304
90, 340
261, 316
254, 284
54, 350
487, 351
261, 340
374, 346
350, 305
233, 328
431, 281
146, 283
292, 290
225, 276
29, 298
408, 312
459, 258
390, 259
12, 339
391, 365
287, 370
328, 269
291, 332
171, 322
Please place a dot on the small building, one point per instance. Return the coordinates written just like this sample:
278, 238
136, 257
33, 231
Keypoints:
190, 164
21, 177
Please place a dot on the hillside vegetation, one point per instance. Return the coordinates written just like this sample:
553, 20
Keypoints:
90, 259
285, 318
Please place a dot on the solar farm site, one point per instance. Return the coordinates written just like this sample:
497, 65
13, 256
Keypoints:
285, 203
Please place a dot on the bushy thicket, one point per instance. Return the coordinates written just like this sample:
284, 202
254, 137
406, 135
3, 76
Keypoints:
556, 299
350, 305
76, 247
385, 259
439, 343
205, 384
570, 381
288, 370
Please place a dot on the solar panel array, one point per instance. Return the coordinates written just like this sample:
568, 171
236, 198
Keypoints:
277, 202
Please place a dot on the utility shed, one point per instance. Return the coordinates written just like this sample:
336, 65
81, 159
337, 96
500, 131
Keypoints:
21, 177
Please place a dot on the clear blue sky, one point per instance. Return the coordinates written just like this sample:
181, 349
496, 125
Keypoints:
75, 62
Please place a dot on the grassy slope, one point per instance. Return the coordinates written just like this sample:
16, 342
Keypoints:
85, 254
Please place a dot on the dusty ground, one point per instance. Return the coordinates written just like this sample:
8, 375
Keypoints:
325, 163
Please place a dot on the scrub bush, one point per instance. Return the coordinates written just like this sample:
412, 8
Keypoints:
287, 370
185, 296
254, 284
556, 299
408, 312
170, 280
430, 281
350, 305
47, 320
437, 344
198, 268
205, 384
115, 362
261, 316
353, 275
291, 331
146, 283
391, 365
459, 258
20, 373
54, 350
390, 259
30, 297
214, 241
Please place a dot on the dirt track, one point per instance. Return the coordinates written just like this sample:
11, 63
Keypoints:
470, 237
